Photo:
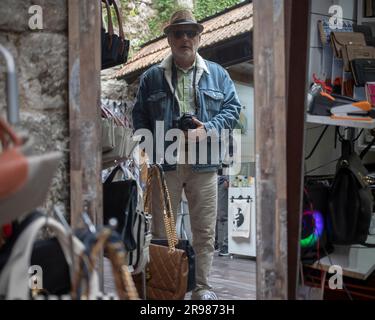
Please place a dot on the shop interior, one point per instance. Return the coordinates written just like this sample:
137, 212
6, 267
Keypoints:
94, 256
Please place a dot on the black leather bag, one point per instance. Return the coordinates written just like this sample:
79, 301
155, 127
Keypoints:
186, 246
115, 48
363, 71
120, 201
56, 275
350, 200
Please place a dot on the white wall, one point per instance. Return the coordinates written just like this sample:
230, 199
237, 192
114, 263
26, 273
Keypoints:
246, 95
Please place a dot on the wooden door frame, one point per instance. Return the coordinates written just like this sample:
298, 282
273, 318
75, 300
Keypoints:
279, 81
279, 102
84, 110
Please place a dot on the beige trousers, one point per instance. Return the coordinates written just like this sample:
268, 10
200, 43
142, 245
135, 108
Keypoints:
201, 193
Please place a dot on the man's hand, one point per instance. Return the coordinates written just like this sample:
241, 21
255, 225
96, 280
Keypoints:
199, 133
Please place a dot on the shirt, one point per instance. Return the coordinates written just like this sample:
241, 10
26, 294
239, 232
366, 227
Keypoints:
184, 90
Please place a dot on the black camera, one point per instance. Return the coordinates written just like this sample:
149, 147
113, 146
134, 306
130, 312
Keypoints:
185, 122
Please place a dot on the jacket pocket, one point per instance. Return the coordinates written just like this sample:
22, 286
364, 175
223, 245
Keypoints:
156, 104
213, 101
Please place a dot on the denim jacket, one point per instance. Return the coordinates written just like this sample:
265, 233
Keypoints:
218, 104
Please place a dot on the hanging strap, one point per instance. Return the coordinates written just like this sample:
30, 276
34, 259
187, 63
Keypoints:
114, 249
156, 172
169, 223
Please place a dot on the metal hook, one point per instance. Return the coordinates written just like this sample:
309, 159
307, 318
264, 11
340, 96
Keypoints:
12, 87
87, 221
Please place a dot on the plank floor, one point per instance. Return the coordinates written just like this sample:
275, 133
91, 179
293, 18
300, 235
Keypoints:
232, 277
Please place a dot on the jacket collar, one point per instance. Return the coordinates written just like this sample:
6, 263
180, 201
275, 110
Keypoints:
166, 64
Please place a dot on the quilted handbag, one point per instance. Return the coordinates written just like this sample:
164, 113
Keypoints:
186, 246
167, 271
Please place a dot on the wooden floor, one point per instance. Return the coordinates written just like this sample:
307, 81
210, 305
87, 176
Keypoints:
232, 277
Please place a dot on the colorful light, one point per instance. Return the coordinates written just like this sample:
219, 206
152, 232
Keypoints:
318, 226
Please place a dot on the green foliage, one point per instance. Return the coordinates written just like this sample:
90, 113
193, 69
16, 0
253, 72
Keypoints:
165, 8
202, 9
208, 8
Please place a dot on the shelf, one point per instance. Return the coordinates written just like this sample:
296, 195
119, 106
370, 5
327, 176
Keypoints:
357, 262
342, 123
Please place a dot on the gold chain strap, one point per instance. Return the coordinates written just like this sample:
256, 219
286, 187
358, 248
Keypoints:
170, 214
168, 217
170, 227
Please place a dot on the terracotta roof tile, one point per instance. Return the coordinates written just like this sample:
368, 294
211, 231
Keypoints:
222, 27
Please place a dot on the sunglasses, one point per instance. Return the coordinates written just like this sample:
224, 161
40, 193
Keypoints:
178, 34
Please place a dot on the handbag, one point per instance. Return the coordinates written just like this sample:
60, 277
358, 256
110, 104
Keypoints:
108, 131
350, 200
142, 233
123, 142
341, 39
115, 48
119, 201
185, 245
356, 52
139, 257
167, 271
363, 71
22, 250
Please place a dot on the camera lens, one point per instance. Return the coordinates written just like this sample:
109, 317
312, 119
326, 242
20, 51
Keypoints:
186, 122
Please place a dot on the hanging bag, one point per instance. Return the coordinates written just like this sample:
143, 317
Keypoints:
15, 278
350, 200
119, 201
167, 271
115, 48
141, 231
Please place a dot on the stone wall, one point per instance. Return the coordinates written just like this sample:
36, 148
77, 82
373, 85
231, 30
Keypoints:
41, 58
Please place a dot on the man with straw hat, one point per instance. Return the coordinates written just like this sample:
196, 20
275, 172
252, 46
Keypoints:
198, 97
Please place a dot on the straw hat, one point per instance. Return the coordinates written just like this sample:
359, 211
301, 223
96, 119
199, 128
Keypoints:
183, 17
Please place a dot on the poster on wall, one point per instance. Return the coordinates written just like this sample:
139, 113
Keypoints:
240, 211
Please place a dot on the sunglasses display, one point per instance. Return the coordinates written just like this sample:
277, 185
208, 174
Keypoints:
178, 34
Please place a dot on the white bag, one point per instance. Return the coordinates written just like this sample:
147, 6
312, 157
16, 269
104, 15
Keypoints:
138, 258
15, 277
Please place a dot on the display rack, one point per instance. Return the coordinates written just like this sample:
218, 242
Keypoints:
342, 123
